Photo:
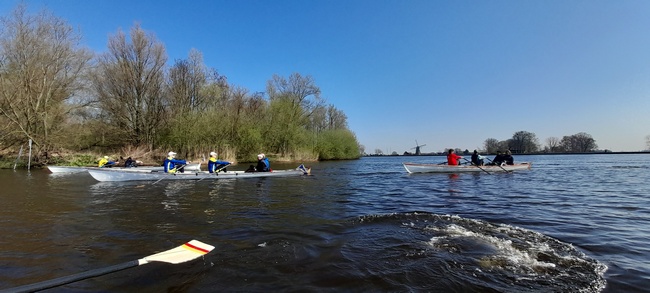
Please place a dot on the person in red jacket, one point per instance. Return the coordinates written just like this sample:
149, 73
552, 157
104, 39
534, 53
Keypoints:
452, 158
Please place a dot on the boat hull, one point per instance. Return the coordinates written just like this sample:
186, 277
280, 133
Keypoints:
436, 168
66, 169
123, 175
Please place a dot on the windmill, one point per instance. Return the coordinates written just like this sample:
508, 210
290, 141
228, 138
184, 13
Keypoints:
417, 147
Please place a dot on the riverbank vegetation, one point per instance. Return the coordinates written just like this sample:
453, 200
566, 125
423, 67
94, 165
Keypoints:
132, 101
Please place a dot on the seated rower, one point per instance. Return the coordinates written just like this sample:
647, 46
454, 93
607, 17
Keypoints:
106, 163
477, 160
216, 165
508, 159
498, 159
452, 158
172, 165
263, 164
130, 163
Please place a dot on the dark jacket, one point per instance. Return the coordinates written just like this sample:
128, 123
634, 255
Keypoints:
263, 165
476, 160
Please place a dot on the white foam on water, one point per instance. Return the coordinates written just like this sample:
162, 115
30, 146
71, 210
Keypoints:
504, 249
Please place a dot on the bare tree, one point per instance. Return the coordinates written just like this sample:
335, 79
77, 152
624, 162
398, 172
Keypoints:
301, 92
523, 142
647, 142
553, 144
187, 81
578, 143
318, 120
237, 109
491, 145
41, 65
505, 144
336, 119
129, 85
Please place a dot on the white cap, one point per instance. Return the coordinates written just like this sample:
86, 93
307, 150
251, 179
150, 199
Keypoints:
105, 157
213, 154
260, 156
171, 154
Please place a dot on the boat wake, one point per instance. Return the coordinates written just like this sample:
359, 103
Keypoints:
458, 254
406, 252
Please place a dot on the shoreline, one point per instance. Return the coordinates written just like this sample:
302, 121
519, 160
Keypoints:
514, 154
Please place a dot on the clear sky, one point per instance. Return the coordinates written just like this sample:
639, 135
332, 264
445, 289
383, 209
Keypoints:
449, 74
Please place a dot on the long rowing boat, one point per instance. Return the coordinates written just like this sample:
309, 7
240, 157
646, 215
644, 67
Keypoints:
73, 169
438, 168
103, 174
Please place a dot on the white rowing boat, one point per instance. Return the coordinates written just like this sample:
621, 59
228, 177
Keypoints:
102, 174
438, 168
74, 169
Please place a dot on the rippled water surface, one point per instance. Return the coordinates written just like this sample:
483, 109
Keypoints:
574, 223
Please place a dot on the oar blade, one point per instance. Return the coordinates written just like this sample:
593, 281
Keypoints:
306, 171
183, 253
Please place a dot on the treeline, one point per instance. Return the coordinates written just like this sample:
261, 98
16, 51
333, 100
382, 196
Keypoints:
524, 142
64, 97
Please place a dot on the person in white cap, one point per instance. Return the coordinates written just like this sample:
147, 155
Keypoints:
216, 165
172, 165
263, 164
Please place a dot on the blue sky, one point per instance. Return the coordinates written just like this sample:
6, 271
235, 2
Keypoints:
444, 73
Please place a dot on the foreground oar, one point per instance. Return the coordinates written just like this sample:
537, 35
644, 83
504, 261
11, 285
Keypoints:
477, 166
183, 253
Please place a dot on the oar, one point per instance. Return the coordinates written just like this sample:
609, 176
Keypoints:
183, 253
477, 166
304, 170
222, 167
504, 169
180, 167
177, 168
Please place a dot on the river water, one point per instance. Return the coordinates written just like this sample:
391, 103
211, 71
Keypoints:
573, 223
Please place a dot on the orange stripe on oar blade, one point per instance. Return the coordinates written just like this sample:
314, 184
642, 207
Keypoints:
194, 248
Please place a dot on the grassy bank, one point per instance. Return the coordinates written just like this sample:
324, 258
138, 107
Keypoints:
7, 161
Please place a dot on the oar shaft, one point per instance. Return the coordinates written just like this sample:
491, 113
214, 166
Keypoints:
478, 166
504, 169
221, 168
72, 278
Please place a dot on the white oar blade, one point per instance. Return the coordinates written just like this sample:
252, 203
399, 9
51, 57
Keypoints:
183, 253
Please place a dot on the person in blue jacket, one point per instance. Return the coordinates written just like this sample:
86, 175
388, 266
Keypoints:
214, 164
263, 164
172, 165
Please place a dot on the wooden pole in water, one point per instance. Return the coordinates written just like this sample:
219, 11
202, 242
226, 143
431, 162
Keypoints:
20, 153
29, 160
